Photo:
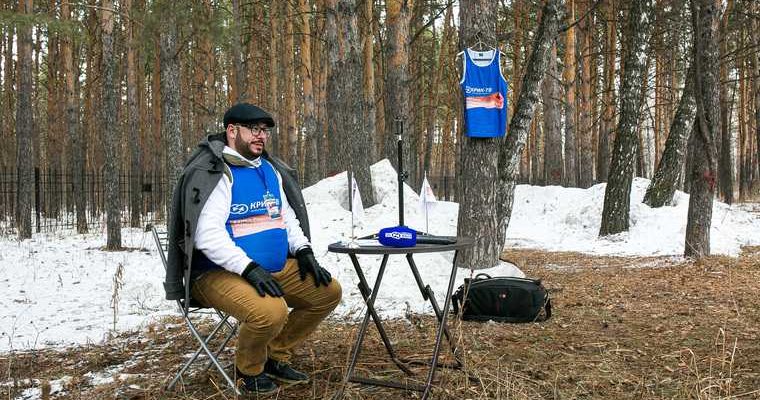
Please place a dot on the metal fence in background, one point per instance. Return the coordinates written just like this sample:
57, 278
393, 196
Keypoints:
54, 205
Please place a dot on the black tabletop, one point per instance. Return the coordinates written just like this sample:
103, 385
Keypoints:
374, 247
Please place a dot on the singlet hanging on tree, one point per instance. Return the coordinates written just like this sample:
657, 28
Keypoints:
485, 94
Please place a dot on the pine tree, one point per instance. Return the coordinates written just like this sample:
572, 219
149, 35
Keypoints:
617, 196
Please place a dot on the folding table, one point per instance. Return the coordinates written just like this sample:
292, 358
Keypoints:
427, 294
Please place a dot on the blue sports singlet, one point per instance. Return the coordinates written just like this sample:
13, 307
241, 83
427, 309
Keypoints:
263, 238
485, 94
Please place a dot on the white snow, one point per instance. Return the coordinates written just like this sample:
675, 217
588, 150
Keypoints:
58, 288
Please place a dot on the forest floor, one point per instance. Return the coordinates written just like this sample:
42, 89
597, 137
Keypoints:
623, 328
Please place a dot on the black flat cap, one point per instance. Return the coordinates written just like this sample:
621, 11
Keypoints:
247, 113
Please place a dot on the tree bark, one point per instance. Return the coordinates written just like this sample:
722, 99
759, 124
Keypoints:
517, 73
275, 23
437, 95
238, 86
311, 160
704, 163
756, 80
571, 150
585, 133
663, 186
133, 122
397, 87
756, 84
289, 117
348, 140
509, 156
170, 107
617, 196
726, 141
550, 91
9, 95
608, 113
109, 123
24, 126
76, 150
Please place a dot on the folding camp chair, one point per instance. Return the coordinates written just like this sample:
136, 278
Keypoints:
196, 310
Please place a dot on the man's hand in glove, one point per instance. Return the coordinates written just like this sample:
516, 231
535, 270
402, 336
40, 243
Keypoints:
307, 264
262, 280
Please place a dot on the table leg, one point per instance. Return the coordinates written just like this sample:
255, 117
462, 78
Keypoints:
427, 294
363, 328
365, 292
441, 328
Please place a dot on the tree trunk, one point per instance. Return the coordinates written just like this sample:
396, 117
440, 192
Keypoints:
704, 166
348, 140
437, 95
397, 87
133, 121
109, 123
585, 131
52, 139
311, 163
485, 194
663, 186
289, 117
756, 84
478, 193
76, 151
24, 126
608, 114
617, 196
744, 125
552, 125
571, 151
274, 67
517, 73
9, 95
756, 80
509, 156
726, 141
170, 110
204, 77
238, 86
380, 140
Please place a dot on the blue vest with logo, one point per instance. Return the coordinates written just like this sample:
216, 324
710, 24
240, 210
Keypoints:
263, 238
485, 95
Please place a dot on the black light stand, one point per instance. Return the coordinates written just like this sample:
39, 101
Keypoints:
401, 173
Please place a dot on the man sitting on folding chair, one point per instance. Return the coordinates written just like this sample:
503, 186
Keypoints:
239, 225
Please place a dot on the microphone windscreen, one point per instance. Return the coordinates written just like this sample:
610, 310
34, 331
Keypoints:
398, 236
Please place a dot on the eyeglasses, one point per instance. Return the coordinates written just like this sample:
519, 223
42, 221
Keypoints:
258, 130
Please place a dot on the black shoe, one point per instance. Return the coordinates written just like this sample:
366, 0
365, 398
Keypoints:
284, 372
258, 384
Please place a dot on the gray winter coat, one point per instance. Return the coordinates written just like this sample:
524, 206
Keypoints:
202, 172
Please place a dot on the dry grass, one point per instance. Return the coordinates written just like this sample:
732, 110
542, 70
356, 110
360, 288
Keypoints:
623, 328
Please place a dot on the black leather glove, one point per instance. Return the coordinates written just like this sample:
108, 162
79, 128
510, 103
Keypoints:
262, 280
307, 264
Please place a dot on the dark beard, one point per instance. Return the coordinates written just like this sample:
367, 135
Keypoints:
244, 149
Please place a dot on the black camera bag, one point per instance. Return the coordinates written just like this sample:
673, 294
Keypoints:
502, 299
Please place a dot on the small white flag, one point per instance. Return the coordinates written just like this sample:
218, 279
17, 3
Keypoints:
357, 208
426, 197
426, 194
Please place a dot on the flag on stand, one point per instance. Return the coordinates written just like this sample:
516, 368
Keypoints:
357, 208
426, 195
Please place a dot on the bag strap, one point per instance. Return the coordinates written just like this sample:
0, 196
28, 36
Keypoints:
483, 274
547, 310
457, 297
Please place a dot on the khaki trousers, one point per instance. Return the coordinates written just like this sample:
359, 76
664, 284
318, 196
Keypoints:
267, 330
